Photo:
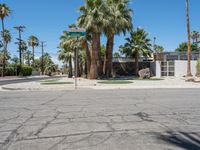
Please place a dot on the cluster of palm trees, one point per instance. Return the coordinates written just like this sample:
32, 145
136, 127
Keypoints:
6, 37
108, 17
68, 46
32, 42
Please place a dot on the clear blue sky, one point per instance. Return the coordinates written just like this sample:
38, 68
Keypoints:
164, 19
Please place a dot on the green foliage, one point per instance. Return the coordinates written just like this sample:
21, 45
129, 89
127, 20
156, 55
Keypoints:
4, 11
137, 45
158, 49
116, 54
26, 70
183, 47
6, 36
9, 71
33, 41
103, 51
198, 68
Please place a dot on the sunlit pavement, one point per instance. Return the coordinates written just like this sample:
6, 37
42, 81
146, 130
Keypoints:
100, 120
35, 85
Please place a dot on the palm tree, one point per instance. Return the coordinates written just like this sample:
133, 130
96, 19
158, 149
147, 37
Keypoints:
92, 19
24, 49
66, 57
85, 41
137, 45
4, 12
119, 20
33, 42
68, 46
195, 35
189, 74
7, 37
28, 57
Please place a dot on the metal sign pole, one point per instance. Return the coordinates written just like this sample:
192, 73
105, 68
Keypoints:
76, 68
76, 32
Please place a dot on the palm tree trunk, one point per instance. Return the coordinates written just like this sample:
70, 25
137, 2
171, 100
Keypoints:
33, 56
78, 67
189, 43
88, 56
4, 59
136, 64
99, 60
109, 52
94, 56
28, 59
70, 67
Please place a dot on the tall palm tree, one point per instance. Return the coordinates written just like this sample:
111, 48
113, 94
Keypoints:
28, 57
119, 20
92, 19
189, 42
4, 12
24, 49
7, 39
137, 45
33, 42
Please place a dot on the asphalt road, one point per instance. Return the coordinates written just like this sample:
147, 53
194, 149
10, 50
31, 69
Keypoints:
101, 120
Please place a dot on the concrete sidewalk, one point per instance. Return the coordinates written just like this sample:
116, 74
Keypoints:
93, 84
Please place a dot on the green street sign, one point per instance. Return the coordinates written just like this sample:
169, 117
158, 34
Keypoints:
75, 34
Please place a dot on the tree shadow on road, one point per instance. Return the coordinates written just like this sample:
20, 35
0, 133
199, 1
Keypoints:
187, 141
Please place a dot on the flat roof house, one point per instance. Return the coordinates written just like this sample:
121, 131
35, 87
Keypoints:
173, 64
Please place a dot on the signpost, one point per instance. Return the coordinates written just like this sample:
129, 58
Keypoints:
76, 32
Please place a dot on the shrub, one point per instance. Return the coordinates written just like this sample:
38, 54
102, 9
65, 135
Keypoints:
198, 68
10, 71
26, 71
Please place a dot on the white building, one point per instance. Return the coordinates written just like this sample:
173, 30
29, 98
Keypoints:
173, 64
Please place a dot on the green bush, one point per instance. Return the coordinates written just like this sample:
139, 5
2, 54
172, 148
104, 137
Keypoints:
10, 71
26, 71
13, 70
198, 67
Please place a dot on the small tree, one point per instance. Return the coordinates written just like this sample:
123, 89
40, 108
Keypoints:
198, 68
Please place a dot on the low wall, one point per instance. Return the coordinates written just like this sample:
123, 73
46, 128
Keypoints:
181, 68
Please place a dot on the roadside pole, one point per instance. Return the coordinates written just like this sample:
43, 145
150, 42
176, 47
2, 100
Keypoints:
76, 67
76, 32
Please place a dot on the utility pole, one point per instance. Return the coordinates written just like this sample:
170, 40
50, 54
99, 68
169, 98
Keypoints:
154, 47
20, 29
189, 74
42, 45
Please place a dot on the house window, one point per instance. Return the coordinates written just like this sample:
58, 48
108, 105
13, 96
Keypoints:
167, 68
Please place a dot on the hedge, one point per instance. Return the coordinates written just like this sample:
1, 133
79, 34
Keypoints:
13, 70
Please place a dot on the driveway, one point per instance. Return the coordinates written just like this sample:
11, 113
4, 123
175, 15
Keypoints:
165, 119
